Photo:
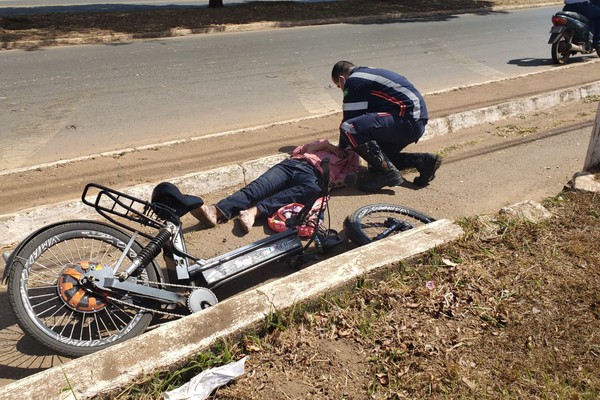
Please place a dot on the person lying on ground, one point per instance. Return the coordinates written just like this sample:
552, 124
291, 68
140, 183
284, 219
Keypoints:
293, 180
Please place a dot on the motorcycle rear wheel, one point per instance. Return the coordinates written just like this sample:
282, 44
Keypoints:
52, 304
377, 221
561, 49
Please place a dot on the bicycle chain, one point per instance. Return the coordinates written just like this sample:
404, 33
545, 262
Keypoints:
152, 310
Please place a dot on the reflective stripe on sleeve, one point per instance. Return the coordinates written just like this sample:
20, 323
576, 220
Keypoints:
397, 87
348, 128
363, 105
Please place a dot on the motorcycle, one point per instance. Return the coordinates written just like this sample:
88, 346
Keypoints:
79, 286
570, 34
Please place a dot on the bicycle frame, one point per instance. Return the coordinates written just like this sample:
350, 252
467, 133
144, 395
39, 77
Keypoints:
223, 268
209, 273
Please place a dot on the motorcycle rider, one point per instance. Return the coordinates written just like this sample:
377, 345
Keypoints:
590, 10
383, 113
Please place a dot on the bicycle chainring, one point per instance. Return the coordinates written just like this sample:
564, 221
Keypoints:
200, 299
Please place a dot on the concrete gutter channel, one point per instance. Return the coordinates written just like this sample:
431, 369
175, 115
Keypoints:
177, 341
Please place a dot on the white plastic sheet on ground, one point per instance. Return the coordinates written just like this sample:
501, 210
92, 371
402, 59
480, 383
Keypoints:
203, 384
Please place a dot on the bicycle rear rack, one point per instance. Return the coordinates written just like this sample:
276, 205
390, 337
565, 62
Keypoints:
112, 204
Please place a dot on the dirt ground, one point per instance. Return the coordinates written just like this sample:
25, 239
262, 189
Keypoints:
510, 312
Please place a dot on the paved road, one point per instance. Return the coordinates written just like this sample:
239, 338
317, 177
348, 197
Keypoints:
60, 103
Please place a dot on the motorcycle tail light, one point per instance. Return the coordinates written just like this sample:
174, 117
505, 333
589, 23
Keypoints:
559, 20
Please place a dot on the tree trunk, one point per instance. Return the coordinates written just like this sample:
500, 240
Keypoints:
215, 3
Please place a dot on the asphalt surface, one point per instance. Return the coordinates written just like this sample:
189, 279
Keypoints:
63, 102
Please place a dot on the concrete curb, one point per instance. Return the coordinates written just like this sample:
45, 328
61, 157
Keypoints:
16, 226
256, 26
175, 342
468, 119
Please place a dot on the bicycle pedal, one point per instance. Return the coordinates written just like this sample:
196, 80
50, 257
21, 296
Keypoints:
332, 239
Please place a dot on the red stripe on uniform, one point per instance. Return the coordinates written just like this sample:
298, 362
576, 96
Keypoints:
392, 100
350, 138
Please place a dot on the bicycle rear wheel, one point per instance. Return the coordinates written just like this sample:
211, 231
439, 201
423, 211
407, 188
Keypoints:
377, 221
56, 307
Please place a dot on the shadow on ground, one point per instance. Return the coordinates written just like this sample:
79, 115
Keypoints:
50, 23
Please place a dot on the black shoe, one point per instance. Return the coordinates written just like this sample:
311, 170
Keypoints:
430, 164
374, 182
351, 179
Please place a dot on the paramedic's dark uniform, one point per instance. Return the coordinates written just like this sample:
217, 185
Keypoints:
384, 106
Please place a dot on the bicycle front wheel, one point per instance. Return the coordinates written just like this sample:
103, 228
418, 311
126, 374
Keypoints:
377, 221
55, 306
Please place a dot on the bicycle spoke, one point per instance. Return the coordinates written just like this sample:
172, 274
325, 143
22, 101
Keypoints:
67, 324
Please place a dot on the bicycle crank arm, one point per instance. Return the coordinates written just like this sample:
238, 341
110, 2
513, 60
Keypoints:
133, 288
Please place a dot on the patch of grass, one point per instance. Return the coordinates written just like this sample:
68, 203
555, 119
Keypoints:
540, 113
69, 387
451, 149
553, 202
557, 123
152, 387
514, 130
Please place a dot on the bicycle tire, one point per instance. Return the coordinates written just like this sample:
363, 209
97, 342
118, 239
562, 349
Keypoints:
365, 224
36, 289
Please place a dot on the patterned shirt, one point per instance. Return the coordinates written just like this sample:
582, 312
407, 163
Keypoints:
339, 167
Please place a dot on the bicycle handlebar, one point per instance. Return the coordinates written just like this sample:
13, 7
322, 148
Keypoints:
325, 180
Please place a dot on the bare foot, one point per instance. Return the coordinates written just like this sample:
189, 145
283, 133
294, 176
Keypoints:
206, 214
247, 218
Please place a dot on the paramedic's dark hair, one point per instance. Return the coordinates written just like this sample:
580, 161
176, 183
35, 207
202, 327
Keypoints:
340, 68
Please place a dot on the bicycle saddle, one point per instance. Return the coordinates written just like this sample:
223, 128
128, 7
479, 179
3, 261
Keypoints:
168, 194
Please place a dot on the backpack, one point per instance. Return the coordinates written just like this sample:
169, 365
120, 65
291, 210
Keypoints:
277, 220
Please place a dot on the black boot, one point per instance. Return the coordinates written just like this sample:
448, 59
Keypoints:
404, 161
385, 174
425, 163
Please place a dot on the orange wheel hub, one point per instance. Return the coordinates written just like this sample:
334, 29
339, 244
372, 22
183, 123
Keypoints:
73, 292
